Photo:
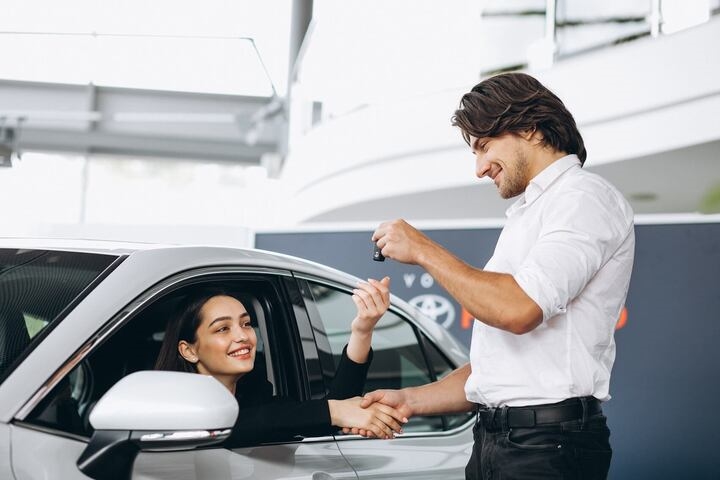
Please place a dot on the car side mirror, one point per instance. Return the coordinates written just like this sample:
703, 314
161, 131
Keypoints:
155, 410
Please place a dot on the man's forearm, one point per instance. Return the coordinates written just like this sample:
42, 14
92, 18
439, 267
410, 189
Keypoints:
444, 396
510, 308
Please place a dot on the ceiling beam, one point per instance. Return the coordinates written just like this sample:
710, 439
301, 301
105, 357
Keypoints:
151, 123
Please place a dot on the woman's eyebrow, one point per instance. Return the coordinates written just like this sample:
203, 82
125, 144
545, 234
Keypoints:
228, 317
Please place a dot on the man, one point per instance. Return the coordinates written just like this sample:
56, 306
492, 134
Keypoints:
547, 301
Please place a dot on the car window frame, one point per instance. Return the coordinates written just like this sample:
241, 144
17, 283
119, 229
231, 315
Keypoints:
145, 300
422, 336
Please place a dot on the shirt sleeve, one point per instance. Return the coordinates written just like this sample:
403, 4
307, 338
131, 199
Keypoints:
574, 243
349, 380
280, 420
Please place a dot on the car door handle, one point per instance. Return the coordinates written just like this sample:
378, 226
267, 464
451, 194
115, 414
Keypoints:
322, 476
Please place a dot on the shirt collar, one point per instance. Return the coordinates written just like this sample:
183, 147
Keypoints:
542, 181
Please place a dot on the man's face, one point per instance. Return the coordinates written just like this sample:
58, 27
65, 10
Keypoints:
504, 160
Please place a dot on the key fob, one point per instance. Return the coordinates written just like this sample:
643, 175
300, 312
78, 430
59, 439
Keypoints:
377, 254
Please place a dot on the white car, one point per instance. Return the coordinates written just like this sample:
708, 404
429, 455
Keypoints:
80, 328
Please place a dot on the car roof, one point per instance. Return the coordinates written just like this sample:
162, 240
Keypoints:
195, 256
181, 253
108, 247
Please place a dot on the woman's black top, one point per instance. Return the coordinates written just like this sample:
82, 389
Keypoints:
264, 418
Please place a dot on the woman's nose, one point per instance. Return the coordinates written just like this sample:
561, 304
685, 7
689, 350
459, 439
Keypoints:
241, 335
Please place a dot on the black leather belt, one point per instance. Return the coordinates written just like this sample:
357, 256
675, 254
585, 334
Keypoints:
502, 418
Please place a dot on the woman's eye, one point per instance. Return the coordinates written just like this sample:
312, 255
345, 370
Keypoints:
247, 325
222, 329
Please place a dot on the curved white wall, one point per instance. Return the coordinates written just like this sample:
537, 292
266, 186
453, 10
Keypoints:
633, 100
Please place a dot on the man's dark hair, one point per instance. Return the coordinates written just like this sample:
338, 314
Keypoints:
516, 103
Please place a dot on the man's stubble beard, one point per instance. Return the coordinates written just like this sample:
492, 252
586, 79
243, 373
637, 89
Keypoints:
516, 182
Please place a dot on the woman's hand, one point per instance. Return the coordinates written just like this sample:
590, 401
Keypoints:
372, 299
380, 420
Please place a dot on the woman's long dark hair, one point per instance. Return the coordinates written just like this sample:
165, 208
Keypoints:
183, 326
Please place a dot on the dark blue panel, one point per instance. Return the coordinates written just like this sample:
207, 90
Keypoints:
665, 380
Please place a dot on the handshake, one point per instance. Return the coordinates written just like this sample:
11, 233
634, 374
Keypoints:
379, 414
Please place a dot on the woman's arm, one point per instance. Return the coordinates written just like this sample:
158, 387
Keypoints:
280, 420
372, 299
283, 419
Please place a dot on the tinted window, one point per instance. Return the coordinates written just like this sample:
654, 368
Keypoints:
37, 287
399, 361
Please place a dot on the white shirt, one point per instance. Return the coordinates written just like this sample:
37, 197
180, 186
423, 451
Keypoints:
569, 243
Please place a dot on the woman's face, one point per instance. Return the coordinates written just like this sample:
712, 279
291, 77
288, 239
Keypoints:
225, 341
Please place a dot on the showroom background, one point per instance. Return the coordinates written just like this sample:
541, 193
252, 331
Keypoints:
664, 377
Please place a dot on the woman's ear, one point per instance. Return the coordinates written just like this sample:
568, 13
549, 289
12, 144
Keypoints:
187, 351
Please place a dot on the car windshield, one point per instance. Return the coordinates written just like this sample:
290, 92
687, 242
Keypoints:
37, 289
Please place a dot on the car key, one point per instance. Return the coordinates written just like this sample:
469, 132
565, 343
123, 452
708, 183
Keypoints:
377, 254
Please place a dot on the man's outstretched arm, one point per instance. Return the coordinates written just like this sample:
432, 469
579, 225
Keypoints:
495, 299
444, 396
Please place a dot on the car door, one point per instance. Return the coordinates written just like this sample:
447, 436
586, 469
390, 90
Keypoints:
432, 446
49, 439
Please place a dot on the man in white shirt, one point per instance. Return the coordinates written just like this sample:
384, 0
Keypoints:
547, 301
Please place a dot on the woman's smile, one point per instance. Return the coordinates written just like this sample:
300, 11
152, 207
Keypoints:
242, 353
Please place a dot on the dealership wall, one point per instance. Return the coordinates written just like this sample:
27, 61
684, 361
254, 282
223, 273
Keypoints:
664, 384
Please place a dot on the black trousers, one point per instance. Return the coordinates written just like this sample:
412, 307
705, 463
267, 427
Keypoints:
573, 449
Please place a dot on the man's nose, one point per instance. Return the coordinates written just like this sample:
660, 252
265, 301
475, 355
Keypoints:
482, 168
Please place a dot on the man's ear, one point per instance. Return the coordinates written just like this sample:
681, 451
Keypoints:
533, 135
187, 351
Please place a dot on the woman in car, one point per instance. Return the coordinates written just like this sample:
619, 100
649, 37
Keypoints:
213, 335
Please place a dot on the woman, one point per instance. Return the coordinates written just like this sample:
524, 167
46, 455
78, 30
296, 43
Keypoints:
213, 335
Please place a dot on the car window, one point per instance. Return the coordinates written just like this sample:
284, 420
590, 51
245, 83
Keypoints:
37, 288
135, 346
402, 357
441, 367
